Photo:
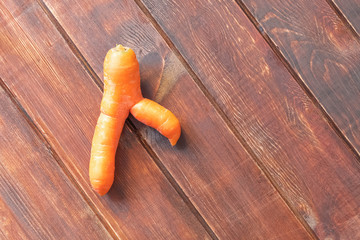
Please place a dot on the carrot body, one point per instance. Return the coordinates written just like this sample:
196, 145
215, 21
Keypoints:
121, 93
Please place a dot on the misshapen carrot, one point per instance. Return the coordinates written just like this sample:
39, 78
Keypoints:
121, 94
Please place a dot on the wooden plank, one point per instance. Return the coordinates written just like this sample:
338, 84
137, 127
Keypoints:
9, 226
37, 200
310, 164
323, 52
350, 9
60, 97
210, 165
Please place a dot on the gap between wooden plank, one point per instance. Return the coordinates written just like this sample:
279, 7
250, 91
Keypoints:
128, 122
298, 79
62, 166
343, 17
228, 122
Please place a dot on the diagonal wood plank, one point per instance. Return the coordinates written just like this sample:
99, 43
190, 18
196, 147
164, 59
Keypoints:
10, 226
59, 96
323, 52
37, 200
350, 10
224, 184
312, 166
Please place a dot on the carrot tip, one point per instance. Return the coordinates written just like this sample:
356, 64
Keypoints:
101, 192
99, 187
119, 47
173, 141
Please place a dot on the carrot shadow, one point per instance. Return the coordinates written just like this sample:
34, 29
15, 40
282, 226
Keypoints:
151, 69
182, 142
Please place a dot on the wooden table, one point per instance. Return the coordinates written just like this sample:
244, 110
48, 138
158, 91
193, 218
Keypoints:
267, 92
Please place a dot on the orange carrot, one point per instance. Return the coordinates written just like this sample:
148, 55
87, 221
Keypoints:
121, 94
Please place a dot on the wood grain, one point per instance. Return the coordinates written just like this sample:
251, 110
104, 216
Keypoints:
350, 9
37, 200
312, 167
60, 97
226, 187
323, 52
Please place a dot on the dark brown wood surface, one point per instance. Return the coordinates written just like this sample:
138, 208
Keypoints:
59, 96
285, 132
37, 199
350, 11
206, 180
269, 122
325, 55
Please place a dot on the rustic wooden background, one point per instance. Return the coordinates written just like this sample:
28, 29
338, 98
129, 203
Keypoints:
267, 92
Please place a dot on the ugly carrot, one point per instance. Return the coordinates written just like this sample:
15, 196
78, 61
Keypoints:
121, 94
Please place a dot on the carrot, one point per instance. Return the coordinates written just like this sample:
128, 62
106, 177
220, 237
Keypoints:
122, 94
